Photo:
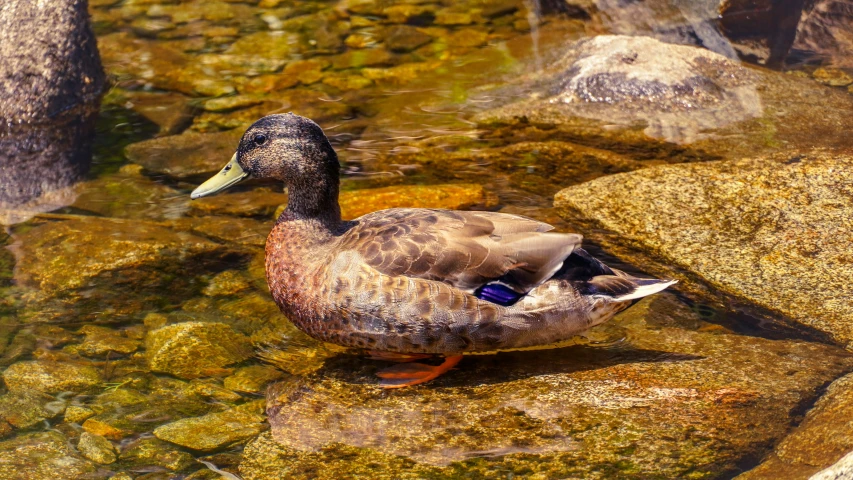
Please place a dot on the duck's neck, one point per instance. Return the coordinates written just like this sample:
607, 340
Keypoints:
315, 199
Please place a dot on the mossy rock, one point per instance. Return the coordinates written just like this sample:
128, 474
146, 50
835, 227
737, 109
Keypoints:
42, 456
195, 349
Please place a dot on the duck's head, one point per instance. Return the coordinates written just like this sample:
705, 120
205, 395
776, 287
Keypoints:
284, 147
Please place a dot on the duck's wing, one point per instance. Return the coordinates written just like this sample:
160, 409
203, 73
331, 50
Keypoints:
465, 249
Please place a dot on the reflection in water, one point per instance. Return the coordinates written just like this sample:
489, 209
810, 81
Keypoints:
39, 165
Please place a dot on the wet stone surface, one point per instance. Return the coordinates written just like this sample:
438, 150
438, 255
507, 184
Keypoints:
678, 397
767, 230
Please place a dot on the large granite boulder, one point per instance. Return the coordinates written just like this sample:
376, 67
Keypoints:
48, 60
676, 398
772, 232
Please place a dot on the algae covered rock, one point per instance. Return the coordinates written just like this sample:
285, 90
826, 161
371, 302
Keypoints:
252, 379
215, 430
97, 448
26, 409
678, 398
41, 456
51, 377
772, 231
195, 349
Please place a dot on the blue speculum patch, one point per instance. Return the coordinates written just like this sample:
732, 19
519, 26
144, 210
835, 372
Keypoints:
497, 293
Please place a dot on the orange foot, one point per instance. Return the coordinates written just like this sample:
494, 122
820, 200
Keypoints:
407, 374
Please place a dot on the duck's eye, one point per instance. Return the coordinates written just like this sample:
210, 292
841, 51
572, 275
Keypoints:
259, 139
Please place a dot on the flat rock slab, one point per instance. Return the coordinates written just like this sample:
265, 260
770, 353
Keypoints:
678, 398
774, 231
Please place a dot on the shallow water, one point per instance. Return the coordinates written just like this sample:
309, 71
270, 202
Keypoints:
396, 86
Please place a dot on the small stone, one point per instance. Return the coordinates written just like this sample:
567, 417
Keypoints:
51, 377
149, 452
406, 13
367, 57
216, 430
97, 448
347, 82
307, 71
121, 476
403, 38
362, 39
195, 349
267, 83
27, 409
101, 428
229, 282
252, 379
833, 77
170, 111
224, 104
100, 341
468, 37
78, 414
42, 456
155, 320
449, 17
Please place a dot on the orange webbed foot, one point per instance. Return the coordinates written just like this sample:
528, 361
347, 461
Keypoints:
408, 374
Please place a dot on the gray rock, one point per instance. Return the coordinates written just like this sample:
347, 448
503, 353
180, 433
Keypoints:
771, 231
677, 398
658, 100
49, 60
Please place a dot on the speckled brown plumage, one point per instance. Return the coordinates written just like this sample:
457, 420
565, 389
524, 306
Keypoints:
406, 280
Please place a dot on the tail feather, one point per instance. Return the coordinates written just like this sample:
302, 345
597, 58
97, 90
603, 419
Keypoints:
645, 287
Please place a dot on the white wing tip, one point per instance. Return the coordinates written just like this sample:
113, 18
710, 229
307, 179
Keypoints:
646, 290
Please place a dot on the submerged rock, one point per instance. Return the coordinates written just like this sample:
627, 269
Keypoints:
678, 398
42, 456
195, 349
148, 452
252, 379
355, 203
26, 409
97, 448
186, 155
51, 377
771, 231
822, 439
114, 264
216, 430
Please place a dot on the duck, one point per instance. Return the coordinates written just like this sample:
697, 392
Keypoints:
409, 284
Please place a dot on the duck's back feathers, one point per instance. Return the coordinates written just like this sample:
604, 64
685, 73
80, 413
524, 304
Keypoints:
464, 249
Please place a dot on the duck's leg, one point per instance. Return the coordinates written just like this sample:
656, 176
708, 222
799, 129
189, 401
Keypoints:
408, 374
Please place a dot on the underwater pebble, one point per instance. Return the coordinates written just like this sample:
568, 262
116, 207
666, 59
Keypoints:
216, 430
96, 448
51, 377
195, 349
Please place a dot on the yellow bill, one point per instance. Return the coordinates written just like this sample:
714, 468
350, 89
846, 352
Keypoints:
230, 175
